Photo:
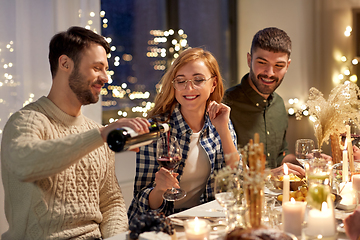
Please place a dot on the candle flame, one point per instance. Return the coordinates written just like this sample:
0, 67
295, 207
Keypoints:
293, 200
196, 225
286, 169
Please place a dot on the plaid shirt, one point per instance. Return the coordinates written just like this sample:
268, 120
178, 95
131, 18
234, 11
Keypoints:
147, 166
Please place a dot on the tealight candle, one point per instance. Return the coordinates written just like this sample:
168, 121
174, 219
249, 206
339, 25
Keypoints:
293, 216
286, 184
321, 223
197, 229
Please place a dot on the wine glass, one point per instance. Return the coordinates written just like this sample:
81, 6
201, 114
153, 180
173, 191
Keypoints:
168, 155
303, 150
227, 191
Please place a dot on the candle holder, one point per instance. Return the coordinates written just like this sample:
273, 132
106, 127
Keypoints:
197, 229
320, 206
320, 223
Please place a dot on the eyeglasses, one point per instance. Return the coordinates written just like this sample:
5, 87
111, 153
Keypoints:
180, 83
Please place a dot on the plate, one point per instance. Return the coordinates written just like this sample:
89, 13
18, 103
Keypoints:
345, 207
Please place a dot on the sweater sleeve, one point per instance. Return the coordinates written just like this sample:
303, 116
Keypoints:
112, 204
32, 149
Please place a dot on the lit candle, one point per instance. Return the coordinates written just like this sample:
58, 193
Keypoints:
350, 150
197, 229
345, 165
293, 216
320, 223
286, 184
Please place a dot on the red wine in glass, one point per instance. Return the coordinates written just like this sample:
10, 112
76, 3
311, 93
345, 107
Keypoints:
168, 154
169, 162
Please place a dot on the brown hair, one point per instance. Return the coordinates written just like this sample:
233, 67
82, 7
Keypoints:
72, 43
165, 100
272, 39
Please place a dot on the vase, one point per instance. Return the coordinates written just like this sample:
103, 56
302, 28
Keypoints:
254, 196
320, 217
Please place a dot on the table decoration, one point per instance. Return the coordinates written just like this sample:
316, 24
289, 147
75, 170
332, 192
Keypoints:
286, 184
318, 172
329, 116
321, 223
197, 229
348, 196
293, 216
345, 165
254, 173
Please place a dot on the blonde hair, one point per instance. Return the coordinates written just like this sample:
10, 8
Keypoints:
165, 100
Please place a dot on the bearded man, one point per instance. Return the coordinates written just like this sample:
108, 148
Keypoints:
256, 107
57, 171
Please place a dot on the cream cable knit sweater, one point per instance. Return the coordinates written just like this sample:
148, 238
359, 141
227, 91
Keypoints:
61, 188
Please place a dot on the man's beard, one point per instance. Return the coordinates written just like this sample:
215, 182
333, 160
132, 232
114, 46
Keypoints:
263, 88
81, 88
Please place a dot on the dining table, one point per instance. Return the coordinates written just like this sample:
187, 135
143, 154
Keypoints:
215, 214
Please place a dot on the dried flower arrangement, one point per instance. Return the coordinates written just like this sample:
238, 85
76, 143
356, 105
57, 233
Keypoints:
332, 115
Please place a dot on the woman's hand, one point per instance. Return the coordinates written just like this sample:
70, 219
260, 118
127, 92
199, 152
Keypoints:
164, 180
219, 114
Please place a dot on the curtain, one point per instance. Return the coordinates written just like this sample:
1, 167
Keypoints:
26, 27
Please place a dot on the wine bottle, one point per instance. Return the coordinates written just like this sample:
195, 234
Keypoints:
125, 138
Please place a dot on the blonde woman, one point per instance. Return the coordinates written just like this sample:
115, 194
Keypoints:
190, 101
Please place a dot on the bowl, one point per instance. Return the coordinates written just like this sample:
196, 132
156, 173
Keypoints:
294, 185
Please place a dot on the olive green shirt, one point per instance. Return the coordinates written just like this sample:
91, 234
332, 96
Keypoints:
251, 113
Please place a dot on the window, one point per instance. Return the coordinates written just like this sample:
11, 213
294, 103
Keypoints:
141, 35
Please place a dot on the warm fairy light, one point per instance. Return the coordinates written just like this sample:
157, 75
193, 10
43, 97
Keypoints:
343, 59
347, 72
92, 14
102, 14
341, 76
291, 111
353, 78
